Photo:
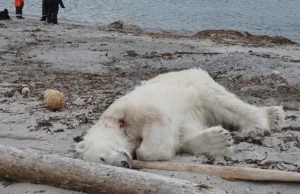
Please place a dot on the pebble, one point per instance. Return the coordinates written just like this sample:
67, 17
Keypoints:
276, 72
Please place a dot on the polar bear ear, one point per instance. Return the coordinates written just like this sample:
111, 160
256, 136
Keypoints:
80, 147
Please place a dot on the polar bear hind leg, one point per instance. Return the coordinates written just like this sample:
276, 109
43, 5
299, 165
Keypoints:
224, 108
276, 117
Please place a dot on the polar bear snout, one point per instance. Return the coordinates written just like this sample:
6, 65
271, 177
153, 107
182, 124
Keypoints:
125, 164
125, 160
112, 157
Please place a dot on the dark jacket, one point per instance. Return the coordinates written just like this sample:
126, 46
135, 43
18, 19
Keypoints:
56, 2
4, 15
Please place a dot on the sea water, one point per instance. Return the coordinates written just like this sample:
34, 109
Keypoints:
270, 17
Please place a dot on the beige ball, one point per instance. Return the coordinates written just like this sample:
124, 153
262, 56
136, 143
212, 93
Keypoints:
55, 100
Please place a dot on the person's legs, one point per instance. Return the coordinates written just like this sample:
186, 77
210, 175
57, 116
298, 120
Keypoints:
55, 12
19, 12
44, 11
19, 6
49, 12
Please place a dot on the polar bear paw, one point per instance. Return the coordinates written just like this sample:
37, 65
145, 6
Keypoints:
214, 141
273, 120
276, 117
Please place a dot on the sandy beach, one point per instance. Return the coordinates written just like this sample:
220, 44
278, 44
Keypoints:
93, 66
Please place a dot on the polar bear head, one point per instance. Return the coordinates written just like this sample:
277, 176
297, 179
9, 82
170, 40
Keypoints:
105, 149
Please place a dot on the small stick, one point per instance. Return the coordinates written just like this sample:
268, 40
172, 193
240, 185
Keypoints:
225, 172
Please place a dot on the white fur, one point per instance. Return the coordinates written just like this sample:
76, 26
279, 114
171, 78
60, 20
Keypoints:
176, 111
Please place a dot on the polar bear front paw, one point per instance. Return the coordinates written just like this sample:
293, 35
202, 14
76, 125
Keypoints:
146, 153
214, 141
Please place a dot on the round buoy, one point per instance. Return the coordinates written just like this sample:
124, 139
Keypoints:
55, 100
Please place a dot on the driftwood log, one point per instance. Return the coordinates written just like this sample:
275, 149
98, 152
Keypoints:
68, 173
225, 172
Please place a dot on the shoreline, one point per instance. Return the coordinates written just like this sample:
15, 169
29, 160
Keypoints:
216, 35
93, 67
211, 34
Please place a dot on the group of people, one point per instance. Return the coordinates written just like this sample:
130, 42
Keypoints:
49, 10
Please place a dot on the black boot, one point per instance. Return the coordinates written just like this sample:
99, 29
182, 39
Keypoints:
43, 18
49, 20
19, 12
54, 19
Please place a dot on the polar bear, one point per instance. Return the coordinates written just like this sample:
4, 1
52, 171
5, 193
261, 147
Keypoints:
174, 112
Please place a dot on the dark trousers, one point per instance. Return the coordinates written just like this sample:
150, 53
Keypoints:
44, 9
19, 11
52, 11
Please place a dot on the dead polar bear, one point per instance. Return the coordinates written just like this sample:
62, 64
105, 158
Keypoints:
176, 111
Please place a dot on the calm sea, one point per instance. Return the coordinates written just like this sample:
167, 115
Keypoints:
271, 17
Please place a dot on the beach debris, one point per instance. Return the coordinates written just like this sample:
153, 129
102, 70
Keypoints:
224, 172
237, 140
78, 139
241, 37
292, 117
132, 53
58, 130
66, 172
275, 72
3, 26
43, 124
287, 89
54, 99
10, 93
124, 25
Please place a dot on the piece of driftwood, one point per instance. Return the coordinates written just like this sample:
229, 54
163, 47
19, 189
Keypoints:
225, 172
74, 174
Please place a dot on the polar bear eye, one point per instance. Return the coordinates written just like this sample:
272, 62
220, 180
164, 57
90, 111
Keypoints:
102, 159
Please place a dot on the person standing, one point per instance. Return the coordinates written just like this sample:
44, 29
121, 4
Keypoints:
44, 10
4, 15
19, 7
52, 10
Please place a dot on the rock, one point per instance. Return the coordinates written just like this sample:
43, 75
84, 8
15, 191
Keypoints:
79, 102
25, 91
124, 25
275, 72
132, 53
